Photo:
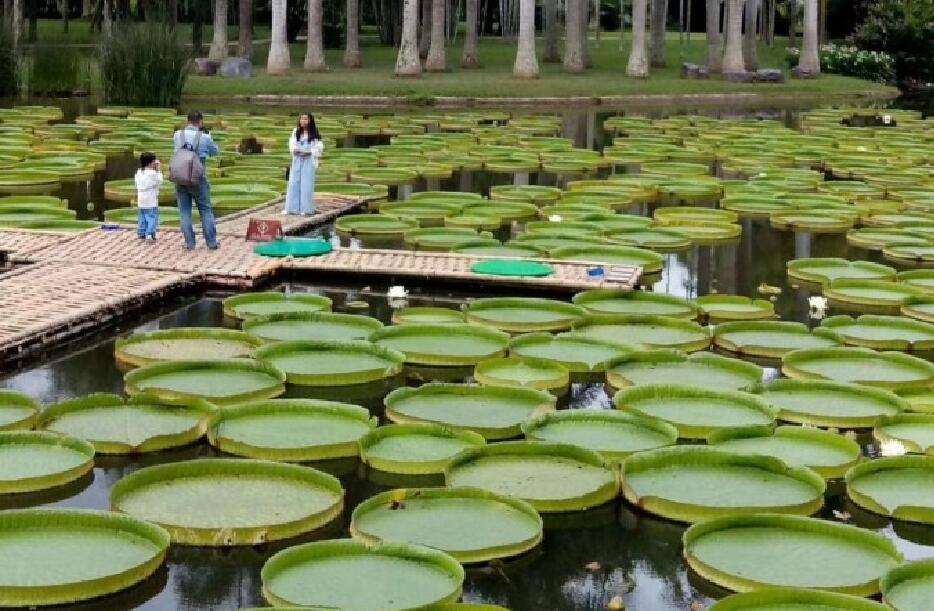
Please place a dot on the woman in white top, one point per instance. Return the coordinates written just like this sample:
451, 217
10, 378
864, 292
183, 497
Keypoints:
306, 148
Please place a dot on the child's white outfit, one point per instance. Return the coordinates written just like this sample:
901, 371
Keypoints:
148, 183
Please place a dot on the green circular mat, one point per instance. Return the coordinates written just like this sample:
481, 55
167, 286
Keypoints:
293, 247
510, 267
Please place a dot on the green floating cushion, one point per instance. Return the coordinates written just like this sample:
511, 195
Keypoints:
293, 248
510, 267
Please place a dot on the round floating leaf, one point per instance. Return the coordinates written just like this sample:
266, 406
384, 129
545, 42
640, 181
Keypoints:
883, 332
696, 483
294, 430
771, 339
417, 448
892, 370
909, 432
735, 307
831, 404
496, 412
655, 238
578, 353
141, 424
901, 487
828, 454
318, 326
444, 345
909, 587
870, 295
470, 524
322, 363
246, 305
518, 371
62, 556
329, 575
218, 502
647, 331
427, 315
521, 314
180, 344
696, 412
374, 225
811, 221
552, 477
797, 599
823, 271
17, 411
649, 261
613, 434
38, 460
920, 309
615, 301
222, 381
876, 238
921, 278
508, 250
441, 238
744, 553
701, 369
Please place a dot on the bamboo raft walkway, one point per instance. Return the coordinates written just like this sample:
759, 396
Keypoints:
67, 285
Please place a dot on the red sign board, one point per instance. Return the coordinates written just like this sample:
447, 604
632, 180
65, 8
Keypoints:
261, 230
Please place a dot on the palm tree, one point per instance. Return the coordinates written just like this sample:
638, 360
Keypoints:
278, 61
638, 65
408, 63
658, 22
733, 53
107, 17
526, 65
791, 8
314, 55
471, 57
218, 49
573, 45
245, 35
551, 53
714, 39
584, 7
17, 22
750, 51
424, 40
352, 42
809, 62
437, 59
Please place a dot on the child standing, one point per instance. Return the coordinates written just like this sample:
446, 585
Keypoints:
148, 182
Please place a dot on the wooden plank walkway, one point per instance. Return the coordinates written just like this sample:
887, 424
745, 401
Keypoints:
328, 206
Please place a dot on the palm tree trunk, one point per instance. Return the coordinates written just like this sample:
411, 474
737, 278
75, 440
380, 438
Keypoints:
584, 6
352, 57
278, 61
408, 63
733, 53
471, 58
17, 22
792, 9
314, 53
638, 65
106, 17
219, 42
526, 65
658, 22
424, 40
551, 54
750, 41
437, 59
573, 47
809, 61
245, 35
714, 39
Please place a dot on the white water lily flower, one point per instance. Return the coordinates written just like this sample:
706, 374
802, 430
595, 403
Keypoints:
817, 305
555, 218
397, 292
892, 447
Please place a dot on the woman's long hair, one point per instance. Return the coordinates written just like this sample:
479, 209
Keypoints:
311, 131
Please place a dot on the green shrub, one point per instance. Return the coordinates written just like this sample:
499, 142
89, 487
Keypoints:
849, 61
904, 30
9, 68
144, 64
57, 69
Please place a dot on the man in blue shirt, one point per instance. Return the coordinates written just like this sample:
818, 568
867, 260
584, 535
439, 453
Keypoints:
201, 194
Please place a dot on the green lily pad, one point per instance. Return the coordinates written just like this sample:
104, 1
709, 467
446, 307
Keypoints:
920, 309
218, 502
578, 353
441, 238
17, 411
910, 253
910, 586
178, 344
273, 302
811, 221
551, 477
665, 239
293, 430
649, 332
443, 345
222, 381
470, 524
496, 412
823, 271
374, 225
615, 301
744, 553
920, 278
883, 332
650, 262
912, 432
322, 363
876, 295
38, 460
329, 574
307, 326
901, 487
701, 369
523, 371
877, 238
506, 250
795, 599
416, 448
735, 307
771, 339
831, 404
522, 314
892, 370
427, 315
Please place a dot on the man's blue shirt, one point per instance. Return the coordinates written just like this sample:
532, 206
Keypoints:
206, 146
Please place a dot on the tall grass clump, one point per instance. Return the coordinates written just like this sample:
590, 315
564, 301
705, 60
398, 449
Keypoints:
9, 67
57, 69
144, 64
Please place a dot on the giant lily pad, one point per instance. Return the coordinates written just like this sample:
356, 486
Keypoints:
696, 412
898, 486
870, 295
417, 448
695, 483
496, 412
653, 238
745, 553
141, 424
831, 404
221, 502
17, 411
552, 477
647, 331
578, 353
273, 302
735, 307
444, 345
649, 261
920, 309
427, 315
329, 575
892, 370
883, 332
701, 369
321, 363
222, 381
770, 339
38, 460
61, 556
520, 314
183, 344
523, 371
292, 430
317, 326
795, 599
470, 524
613, 434
911, 432
614, 301
374, 225
441, 238
828, 454
824, 271
910, 587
